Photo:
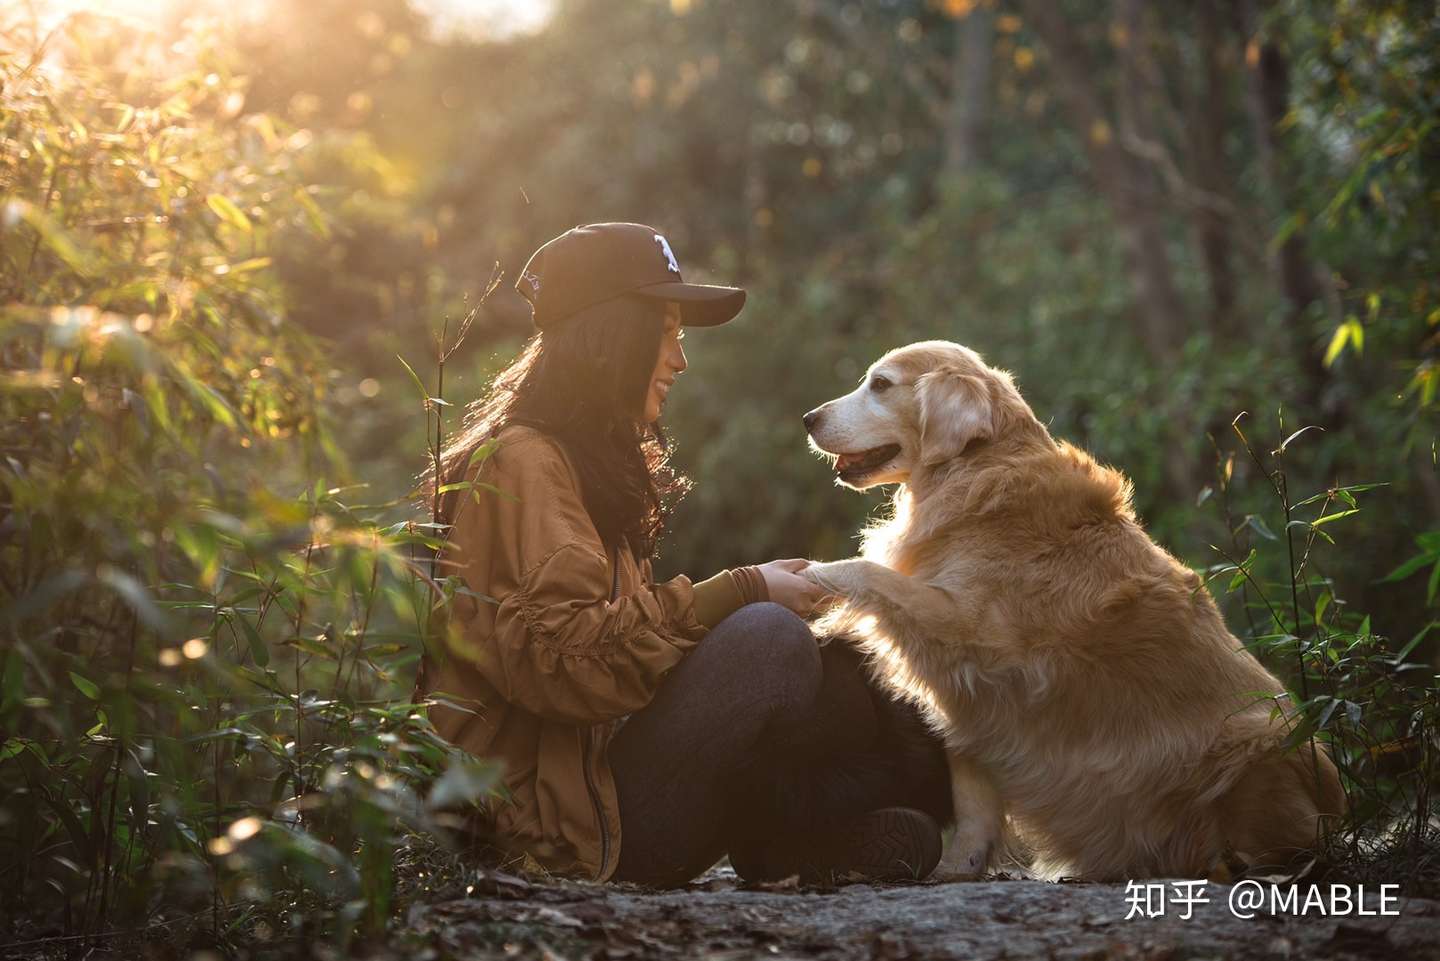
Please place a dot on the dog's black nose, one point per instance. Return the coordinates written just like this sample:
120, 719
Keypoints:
811, 419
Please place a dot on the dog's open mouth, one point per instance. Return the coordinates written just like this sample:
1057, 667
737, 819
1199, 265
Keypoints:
856, 465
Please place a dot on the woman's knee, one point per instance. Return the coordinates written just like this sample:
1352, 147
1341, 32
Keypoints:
776, 643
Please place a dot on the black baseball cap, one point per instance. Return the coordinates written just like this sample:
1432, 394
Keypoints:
594, 263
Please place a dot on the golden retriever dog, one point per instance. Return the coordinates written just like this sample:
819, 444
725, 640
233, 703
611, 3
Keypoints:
1094, 705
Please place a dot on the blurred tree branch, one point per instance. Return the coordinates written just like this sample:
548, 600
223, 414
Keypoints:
917, 75
1121, 177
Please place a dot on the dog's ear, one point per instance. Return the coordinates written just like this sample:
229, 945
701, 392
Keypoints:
954, 410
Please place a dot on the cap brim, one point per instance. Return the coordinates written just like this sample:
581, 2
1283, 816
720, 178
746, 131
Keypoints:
701, 305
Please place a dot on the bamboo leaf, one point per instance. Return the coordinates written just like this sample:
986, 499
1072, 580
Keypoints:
464, 782
1338, 340
1286, 442
227, 211
1411, 566
497, 491
135, 594
85, 686
259, 650
311, 646
1333, 517
483, 451
419, 384
1257, 523
56, 238
1414, 642
313, 214
73, 826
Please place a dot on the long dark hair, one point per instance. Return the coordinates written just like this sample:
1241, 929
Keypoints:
584, 382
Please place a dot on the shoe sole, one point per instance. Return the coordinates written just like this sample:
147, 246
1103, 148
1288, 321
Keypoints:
892, 844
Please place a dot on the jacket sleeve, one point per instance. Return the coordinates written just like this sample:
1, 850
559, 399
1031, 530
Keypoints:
561, 647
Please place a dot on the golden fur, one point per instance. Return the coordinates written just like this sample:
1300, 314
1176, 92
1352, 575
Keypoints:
1094, 704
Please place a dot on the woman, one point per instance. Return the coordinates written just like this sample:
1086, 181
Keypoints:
645, 729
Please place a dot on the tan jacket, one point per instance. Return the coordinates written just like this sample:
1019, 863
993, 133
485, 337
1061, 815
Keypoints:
570, 644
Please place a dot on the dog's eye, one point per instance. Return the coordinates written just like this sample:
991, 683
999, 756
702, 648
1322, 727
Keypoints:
878, 383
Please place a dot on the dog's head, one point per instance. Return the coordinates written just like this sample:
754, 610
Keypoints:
917, 407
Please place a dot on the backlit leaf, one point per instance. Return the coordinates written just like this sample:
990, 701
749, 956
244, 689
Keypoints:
85, 686
226, 210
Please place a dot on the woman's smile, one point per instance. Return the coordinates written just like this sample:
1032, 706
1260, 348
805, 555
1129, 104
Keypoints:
668, 364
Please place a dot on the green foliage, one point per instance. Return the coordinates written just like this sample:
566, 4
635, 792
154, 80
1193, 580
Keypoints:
209, 634
1368, 698
202, 674
1429, 556
802, 150
1371, 99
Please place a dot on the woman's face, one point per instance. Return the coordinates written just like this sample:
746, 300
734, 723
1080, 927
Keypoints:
670, 363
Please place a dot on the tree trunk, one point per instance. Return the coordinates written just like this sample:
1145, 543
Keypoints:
1268, 84
969, 107
1207, 127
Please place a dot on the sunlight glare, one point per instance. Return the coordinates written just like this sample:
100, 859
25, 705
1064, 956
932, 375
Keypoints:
147, 12
488, 18
497, 19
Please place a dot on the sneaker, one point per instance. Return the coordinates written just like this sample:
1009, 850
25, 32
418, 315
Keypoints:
890, 844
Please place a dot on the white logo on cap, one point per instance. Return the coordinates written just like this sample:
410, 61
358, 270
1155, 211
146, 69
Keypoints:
669, 254
533, 281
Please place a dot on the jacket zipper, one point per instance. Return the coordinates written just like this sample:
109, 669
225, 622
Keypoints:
587, 747
599, 811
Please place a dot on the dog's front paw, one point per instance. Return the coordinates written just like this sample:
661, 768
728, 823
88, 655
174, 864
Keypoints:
837, 577
967, 857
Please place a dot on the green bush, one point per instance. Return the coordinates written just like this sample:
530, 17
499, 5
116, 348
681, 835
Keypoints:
206, 646
1364, 694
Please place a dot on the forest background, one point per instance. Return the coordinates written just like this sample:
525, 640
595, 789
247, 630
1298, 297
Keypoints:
1190, 230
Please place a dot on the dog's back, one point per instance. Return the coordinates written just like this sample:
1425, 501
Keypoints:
1130, 733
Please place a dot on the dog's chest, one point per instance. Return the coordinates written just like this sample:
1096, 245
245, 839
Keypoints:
899, 547
922, 558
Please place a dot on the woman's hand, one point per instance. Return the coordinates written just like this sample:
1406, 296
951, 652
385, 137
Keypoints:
788, 588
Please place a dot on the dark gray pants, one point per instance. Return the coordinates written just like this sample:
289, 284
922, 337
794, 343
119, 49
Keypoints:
755, 729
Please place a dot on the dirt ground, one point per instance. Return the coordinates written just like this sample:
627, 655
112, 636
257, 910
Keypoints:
717, 918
